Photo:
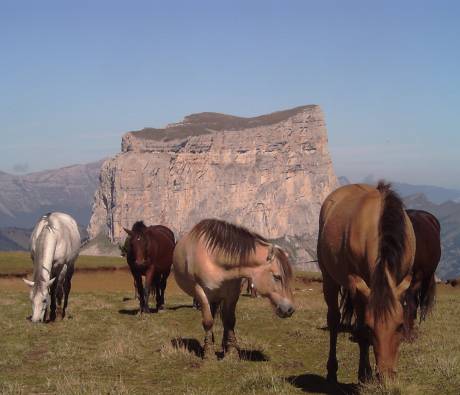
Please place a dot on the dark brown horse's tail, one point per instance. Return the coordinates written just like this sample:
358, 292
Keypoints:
426, 297
347, 311
392, 247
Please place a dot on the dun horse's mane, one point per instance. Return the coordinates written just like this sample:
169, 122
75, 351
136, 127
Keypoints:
236, 242
392, 247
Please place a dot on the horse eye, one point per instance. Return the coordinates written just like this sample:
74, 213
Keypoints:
277, 277
400, 328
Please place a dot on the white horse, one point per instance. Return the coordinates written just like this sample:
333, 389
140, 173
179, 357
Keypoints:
54, 247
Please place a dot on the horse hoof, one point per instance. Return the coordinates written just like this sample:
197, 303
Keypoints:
332, 377
232, 352
365, 378
209, 354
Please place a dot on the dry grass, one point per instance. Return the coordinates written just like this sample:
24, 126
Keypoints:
20, 262
106, 348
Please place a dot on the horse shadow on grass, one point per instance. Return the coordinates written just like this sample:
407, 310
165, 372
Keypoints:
180, 306
129, 311
312, 383
193, 346
135, 311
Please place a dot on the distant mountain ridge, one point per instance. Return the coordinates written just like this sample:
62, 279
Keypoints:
24, 198
433, 193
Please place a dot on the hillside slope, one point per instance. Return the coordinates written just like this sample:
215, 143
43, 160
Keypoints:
24, 198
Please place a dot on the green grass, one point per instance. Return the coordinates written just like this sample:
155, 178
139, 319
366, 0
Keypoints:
103, 349
20, 262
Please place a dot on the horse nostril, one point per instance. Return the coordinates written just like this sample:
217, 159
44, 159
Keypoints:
289, 311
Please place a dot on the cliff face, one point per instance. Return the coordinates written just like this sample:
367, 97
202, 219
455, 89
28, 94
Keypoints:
268, 173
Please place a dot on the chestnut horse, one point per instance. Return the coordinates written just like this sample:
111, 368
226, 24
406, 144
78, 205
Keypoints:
210, 263
366, 249
427, 255
149, 252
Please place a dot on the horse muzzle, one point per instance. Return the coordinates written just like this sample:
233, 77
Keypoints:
284, 310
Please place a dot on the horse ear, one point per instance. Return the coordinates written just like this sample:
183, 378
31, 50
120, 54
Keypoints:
28, 282
403, 285
359, 285
130, 232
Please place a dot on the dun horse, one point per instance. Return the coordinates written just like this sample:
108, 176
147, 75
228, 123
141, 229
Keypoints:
366, 250
210, 263
149, 252
427, 255
55, 243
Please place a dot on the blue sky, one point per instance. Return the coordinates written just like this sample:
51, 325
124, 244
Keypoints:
75, 75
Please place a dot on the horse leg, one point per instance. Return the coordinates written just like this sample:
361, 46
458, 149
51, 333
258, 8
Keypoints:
207, 321
331, 293
140, 289
52, 309
149, 277
157, 282
229, 343
365, 370
59, 295
67, 288
163, 283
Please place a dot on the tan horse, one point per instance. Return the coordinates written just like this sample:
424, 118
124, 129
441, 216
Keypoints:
209, 264
366, 248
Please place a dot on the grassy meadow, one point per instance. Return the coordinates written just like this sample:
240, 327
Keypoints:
18, 262
106, 347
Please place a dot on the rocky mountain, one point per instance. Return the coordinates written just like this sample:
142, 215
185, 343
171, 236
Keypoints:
269, 173
437, 195
24, 198
14, 239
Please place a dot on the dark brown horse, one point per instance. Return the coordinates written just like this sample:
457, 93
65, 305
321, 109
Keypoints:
149, 253
427, 255
366, 249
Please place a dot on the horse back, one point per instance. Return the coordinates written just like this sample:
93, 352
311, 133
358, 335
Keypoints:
165, 230
349, 235
428, 242
162, 246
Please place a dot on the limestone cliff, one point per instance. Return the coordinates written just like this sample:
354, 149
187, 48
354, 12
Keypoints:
269, 173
